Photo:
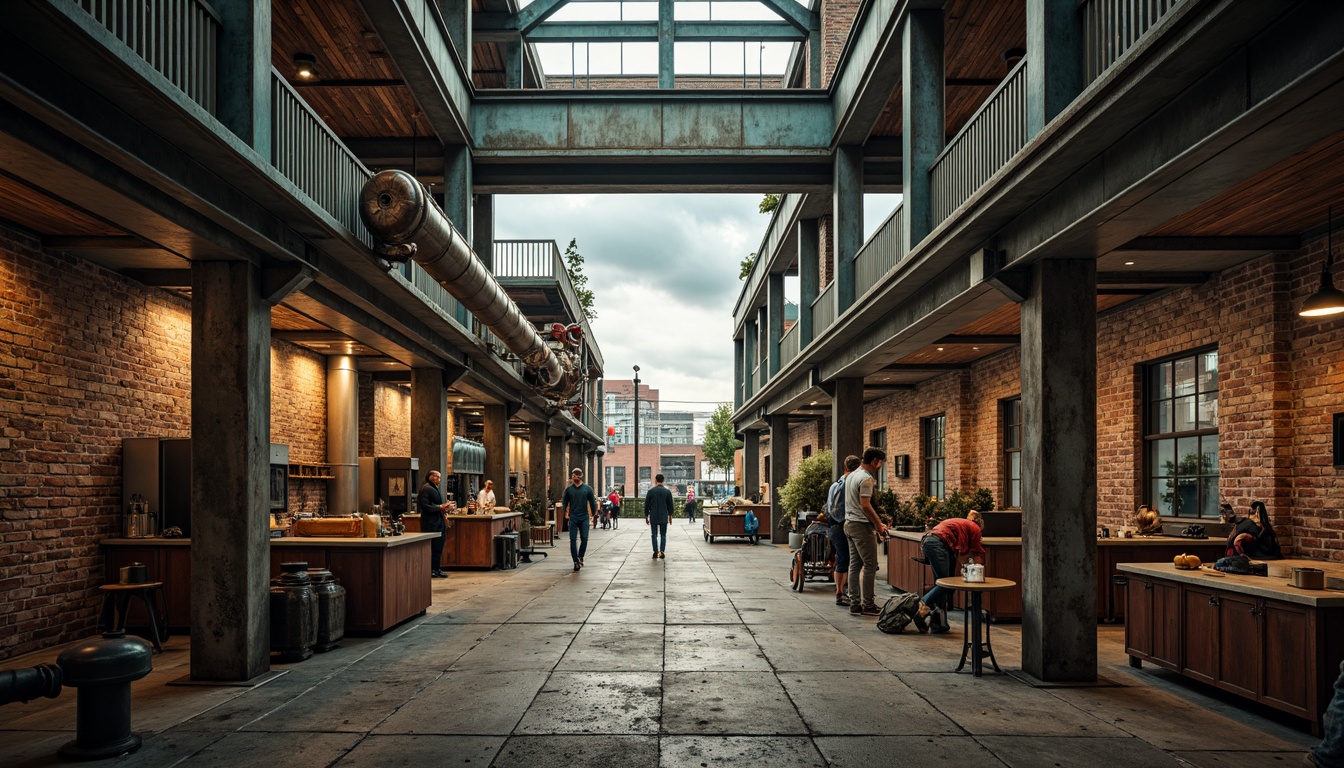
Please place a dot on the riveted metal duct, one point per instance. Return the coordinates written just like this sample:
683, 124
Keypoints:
400, 213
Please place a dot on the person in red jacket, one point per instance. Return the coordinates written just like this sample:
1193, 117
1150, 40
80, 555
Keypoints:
950, 539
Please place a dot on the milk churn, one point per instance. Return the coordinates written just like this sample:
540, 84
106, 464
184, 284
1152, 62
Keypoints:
330, 609
293, 613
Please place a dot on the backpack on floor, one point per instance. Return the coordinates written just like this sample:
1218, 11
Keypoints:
898, 612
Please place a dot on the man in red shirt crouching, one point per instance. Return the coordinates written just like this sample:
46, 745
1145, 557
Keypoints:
948, 540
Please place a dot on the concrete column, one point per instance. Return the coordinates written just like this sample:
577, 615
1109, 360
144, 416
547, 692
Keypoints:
536, 462
457, 20
244, 98
666, 45
496, 442
559, 475
809, 277
1059, 472
847, 221
739, 371
230, 446
775, 307
846, 422
779, 473
513, 64
814, 56
1054, 60
751, 462
922, 85
574, 459
483, 230
429, 420
457, 187
342, 434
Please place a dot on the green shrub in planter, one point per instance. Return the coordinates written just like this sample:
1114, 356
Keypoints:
805, 490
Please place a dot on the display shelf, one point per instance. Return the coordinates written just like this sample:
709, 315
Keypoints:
311, 472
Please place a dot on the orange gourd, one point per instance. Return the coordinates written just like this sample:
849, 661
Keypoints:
1187, 562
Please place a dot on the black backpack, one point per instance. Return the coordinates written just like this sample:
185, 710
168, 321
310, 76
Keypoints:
898, 612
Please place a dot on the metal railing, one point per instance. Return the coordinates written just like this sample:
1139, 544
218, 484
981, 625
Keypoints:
754, 383
788, 346
1112, 27
436, 294
178, 38
309, 154
527, 258
884, 250
593, 422
823, 310
985, 144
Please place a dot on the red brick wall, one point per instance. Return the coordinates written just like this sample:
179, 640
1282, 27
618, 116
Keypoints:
299, 417
392, 420
686, 83
826, 251
837, 16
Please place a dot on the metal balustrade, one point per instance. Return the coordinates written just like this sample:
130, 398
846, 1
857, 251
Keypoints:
309, 154
1112, 27
178, 38
985, 144
823, 310
884, 250
788, 346
527, 258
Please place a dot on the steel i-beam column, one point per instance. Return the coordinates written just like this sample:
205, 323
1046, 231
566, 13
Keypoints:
457, 186
1054, 60
809, 277
230, 447
739, 380
775, 310
779, 474
1059, 472
846, 422
666, 45
483, 230
847, 222
922, 84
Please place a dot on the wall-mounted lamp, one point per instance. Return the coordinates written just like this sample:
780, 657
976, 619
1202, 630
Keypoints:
1011, 56
305, 66
1329, 300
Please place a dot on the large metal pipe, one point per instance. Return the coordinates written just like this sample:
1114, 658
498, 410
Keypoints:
342, 434
399, 211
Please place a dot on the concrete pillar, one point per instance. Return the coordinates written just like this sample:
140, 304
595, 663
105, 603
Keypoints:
343, 434
922, 86
666, 45
575, 459
846, 422
739, 371
814, 56
775, 307
779, 473
483, 230
429, 420
244, 98
809, 277
457, 20
846, 221
751, 462
230, 446
536, 462
559, 475
1059, 472
457, 186
1054, 60
496, 442
513, 64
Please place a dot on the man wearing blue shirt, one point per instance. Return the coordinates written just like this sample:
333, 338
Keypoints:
580, 503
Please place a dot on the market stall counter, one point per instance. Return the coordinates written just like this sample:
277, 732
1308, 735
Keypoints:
386, 579
470, 542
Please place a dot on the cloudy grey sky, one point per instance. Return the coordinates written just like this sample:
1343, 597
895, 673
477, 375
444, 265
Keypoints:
663, 269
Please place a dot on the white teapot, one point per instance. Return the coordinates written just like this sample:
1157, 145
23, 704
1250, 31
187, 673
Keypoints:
973, 573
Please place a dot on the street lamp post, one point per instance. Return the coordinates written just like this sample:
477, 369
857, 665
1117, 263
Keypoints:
636, 403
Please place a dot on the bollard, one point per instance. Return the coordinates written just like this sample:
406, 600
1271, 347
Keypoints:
103, 669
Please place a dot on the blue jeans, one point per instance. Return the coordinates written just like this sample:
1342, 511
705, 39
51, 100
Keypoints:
1330, 752
657, 529
941, 561
841, 546
578, 527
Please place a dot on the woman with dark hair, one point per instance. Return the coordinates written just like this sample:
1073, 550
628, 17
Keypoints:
1254, 536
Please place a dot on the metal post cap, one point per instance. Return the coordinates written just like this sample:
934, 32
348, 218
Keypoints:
112, 658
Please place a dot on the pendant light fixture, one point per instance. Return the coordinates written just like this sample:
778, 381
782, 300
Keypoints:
1329, 300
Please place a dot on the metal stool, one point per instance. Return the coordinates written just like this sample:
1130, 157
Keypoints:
116, 604
967, 626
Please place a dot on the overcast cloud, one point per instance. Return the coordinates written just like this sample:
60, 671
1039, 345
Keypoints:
663, 269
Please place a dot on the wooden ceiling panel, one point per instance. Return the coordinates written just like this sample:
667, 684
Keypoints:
285, 319
367, 111
35, 211
1288, 199
1005, 320
336, 33
951, 354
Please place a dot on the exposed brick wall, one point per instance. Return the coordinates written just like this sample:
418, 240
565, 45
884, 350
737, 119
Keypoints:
826, 251
837, 16
392, 420
299, 417
800, 435
684, 83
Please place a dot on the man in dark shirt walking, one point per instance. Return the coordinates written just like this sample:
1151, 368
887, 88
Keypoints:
580, 503
431, 506
657, 511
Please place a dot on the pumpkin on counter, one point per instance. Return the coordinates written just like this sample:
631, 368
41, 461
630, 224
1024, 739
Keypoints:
1187, 562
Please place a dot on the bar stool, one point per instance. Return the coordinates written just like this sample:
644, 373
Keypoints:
116, 604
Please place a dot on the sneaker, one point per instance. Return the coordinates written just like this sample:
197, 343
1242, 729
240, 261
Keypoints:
661, 556
655, 555
868, 610
576, 565
855, 610
841, 600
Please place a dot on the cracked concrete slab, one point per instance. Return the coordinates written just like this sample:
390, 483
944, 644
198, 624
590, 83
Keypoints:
612, 702
744, 703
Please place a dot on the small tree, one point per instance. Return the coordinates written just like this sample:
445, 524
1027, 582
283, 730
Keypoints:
746, 266
721, 443
806, 488
769, 203
574, 267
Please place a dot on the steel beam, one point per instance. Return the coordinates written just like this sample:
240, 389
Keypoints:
414, 35
648, 31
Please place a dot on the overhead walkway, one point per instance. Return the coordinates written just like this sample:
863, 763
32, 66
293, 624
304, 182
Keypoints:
704, 658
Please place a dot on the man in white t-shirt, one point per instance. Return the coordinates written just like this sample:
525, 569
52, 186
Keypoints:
863, 528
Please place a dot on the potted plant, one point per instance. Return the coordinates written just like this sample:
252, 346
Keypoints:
805, 491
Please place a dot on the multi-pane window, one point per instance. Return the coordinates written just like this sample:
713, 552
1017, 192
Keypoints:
1012, 453
877, 438
807, 451
935, 448
1181, 431
615, 477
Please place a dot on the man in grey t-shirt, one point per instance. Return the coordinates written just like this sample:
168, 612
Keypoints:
863, 528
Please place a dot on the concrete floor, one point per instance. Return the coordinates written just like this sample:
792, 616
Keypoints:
704, 658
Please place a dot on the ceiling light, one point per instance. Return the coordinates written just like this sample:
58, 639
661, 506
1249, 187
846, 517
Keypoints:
975, 349
814, 402
940, 349
1129, 263
1329, 300
305, 66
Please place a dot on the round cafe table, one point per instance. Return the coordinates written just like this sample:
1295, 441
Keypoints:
974, 642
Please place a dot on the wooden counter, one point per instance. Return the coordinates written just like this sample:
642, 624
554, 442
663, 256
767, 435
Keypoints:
1254, 636
386, 580
470, 542
718, 524
1003, 559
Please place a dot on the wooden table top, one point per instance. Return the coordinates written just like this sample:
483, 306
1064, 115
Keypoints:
990, 584
122, 587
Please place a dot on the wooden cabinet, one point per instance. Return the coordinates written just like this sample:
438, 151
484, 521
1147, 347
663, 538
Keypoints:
1199, 642
1147, 637
1239, 643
